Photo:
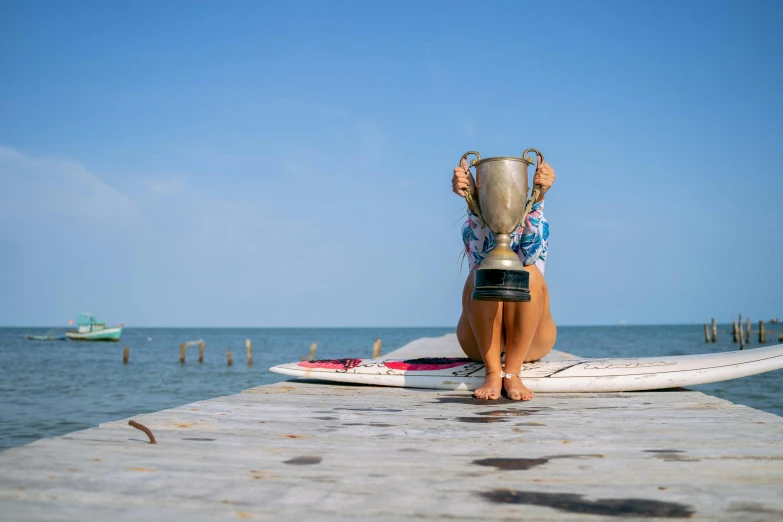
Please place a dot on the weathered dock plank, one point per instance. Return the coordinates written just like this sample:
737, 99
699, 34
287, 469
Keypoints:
334, 452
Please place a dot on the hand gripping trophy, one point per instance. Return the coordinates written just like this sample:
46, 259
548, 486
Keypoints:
503, 204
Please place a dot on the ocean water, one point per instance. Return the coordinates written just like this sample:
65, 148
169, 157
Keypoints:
50, 388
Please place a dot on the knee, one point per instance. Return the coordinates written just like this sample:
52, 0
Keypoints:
464, 332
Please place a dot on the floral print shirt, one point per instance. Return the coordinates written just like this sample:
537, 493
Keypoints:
530, 240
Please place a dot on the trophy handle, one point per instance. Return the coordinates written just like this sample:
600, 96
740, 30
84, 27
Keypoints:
536, 188
529, 161
472, 204
472, 162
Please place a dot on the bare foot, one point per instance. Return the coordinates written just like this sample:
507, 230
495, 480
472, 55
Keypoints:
515, 390
490, 390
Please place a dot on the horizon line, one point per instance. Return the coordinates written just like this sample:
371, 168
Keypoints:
357, 327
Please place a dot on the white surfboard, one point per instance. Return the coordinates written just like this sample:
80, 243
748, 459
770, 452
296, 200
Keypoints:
570, 375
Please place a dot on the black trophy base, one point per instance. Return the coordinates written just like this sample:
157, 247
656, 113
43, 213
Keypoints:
492, 284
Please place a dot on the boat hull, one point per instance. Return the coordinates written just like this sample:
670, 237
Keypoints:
106, 334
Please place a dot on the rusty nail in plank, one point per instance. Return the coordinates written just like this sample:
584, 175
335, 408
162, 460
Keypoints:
143, 428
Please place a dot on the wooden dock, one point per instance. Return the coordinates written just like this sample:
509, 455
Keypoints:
302, 450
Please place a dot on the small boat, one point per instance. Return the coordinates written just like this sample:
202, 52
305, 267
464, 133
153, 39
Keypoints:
49, 336
90, 329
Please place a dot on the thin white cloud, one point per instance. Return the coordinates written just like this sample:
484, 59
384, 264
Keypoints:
334, 111
166, 186
55, 188
469, 129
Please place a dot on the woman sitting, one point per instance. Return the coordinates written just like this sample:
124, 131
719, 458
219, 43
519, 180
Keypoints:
525, 330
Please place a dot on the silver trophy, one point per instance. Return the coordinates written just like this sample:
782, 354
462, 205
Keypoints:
503, 204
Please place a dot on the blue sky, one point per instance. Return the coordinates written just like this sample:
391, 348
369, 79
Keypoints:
268, 164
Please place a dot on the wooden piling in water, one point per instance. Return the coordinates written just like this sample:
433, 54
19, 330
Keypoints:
376, 348
125, 355
734, 329
311, 357
230, 360
249, 349
183, 348
741, 334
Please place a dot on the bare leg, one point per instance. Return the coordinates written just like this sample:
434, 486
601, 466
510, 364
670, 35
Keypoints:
530, 333
480, 333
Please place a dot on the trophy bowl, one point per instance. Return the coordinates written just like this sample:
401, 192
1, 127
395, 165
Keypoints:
502, 204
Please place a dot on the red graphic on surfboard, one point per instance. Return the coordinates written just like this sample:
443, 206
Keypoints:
427, 363
332, 364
